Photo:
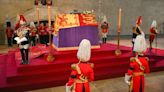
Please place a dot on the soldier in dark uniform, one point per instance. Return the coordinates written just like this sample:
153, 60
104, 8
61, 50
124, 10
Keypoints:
136, 30
23, 40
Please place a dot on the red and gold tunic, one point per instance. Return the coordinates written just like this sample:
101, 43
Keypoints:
137, 81
87, 71
104, 27
9, 32
41, 30
46, 30
153, 33
33, 31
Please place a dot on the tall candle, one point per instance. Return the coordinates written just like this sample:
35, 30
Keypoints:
119, 20
37, 14
49, 16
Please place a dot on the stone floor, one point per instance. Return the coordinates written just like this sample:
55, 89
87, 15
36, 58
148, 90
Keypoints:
154, 81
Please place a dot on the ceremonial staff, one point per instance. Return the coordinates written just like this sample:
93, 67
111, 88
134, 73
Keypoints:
118, 51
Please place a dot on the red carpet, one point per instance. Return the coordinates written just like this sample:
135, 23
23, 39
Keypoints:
41, 74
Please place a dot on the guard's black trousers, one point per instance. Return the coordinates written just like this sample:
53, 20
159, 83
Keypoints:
24, 54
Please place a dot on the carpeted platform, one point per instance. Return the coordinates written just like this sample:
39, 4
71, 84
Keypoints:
41, 74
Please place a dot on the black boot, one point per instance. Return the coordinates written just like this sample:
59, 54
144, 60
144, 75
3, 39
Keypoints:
26, 62
105, 40
102, 40
26, 52
23, 62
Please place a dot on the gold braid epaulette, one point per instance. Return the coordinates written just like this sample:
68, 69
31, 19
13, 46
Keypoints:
76, 67
132, 59
91, 64
73, 66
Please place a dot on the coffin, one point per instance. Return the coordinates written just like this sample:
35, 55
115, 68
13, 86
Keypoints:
70, 29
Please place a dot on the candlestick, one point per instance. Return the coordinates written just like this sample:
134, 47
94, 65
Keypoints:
118, 51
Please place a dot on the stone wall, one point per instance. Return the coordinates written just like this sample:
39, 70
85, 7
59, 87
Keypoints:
148, 9
11, 8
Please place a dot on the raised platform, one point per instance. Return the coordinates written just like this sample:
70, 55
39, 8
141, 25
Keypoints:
41, 74
73, 48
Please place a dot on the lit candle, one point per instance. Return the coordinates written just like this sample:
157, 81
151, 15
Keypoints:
37, 14
119, 20
49, 16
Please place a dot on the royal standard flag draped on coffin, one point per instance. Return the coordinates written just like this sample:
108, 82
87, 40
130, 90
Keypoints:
73, 20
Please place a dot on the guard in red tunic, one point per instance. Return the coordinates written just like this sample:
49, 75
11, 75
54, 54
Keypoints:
41, 33
82, 72
104, 27
139, 65
33, 33
46, 34
9, 33
153, 33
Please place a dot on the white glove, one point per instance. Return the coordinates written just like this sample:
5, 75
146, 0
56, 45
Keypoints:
127, 79
20, 40
68, 88
37, 36
16, 38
